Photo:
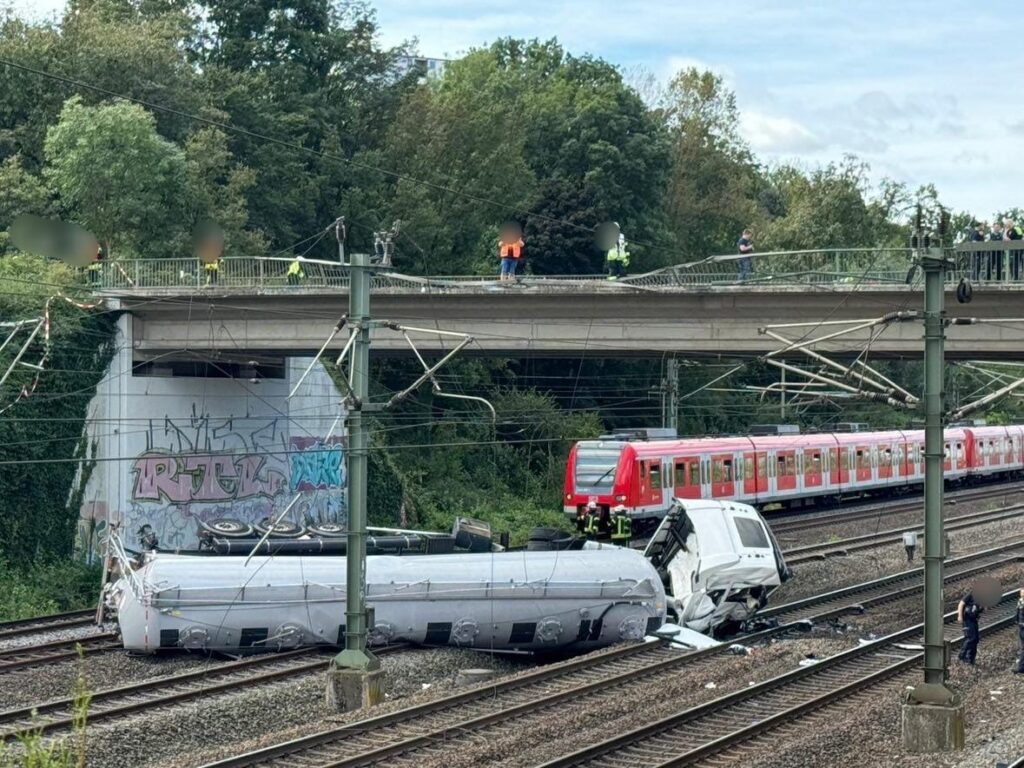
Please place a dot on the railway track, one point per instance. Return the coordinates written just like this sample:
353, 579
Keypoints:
405, 736
886, 589
696, 734
21, 627
827, 549
113, 703
794, 524
24, 656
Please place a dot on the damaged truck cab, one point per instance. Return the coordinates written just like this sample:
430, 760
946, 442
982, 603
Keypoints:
719, 562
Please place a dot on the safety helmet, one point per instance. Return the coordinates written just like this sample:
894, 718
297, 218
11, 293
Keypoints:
619, 508
592, 505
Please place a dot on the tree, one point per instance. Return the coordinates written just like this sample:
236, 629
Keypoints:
20, 192
712, 182
217, 188
117, 176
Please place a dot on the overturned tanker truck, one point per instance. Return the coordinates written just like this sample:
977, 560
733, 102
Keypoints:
566, 595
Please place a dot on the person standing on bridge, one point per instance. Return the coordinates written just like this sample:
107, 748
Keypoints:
978, 259
995, 258
295, 272
617, 257
746, 247
1012, 232
510, 250
967, 613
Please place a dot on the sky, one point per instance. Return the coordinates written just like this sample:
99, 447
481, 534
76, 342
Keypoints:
923, 91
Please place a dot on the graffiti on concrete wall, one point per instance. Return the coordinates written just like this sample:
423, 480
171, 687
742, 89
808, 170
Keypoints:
202, 468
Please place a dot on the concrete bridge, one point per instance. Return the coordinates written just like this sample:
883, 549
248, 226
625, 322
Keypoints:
697, 309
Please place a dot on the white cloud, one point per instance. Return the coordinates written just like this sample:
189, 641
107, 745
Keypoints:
777, 134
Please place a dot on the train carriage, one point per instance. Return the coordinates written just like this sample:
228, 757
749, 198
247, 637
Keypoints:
644, 475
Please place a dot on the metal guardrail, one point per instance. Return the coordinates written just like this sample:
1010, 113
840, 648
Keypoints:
844, 268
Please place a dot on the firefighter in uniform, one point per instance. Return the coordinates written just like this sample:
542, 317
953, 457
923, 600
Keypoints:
621, 525
967, 613
295, 273
618, 258
589, 520
1020, 633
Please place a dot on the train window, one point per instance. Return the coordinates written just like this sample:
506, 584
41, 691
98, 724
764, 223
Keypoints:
762, 465
885, 457
751, 533
679, 476
812, 463
780, 466
655, 476
721, 471
791, 465
748, 470
695, 473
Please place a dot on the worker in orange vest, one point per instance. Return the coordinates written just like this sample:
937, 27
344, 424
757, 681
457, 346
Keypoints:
510, 250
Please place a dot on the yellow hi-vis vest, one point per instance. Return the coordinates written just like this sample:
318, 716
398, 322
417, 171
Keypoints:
295, 268
619, 254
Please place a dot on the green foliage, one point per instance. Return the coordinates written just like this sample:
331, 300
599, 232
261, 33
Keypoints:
116, 175
39, 521
51, 587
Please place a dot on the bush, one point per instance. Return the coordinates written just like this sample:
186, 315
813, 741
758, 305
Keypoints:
46, 588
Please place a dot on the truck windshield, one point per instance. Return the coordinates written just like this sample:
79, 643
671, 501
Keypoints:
595, 466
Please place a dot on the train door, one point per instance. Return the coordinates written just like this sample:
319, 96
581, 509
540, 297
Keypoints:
723, 475
839, 461
755, 473
686, 477
997, 451
947, 461
785, 471
813, 471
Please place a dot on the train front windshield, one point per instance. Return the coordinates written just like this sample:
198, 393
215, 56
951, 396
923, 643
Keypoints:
596, 463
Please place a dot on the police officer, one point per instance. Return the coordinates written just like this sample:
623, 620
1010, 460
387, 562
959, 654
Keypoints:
621, 525
967, 613
1020, 634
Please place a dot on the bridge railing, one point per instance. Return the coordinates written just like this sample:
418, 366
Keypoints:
837, 267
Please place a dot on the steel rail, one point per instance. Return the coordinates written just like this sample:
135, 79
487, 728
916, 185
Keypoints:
787, 697
228, 677
828, 549
361, 743
788, 525
23, 656
55, 621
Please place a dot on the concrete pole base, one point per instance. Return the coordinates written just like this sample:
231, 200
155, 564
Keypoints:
471, 676
351, 689
929, 728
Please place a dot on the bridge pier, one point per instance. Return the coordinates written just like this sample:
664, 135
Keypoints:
191, 436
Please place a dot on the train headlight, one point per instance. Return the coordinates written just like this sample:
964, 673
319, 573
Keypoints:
568, 497
620, 498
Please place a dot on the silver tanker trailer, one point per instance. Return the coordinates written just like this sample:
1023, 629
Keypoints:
718, 559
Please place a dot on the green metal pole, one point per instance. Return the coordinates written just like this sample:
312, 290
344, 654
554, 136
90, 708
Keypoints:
355, 655
934, 543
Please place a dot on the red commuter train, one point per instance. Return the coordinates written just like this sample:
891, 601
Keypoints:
643, 475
